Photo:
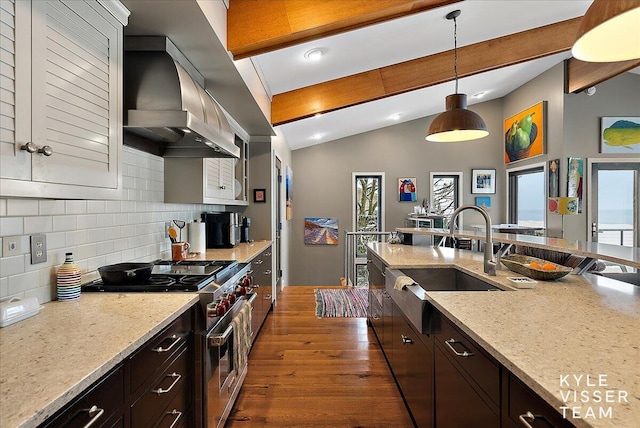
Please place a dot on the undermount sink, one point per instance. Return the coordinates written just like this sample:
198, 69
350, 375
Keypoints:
447, 279
413, 299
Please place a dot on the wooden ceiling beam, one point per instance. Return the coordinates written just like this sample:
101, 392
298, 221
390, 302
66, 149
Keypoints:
423, 72
580, 75
258, 26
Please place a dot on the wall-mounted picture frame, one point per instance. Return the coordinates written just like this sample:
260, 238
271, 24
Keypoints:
289, 192
525, 133
620, 135
575, 178
259, 195
483, 181
554, 178
321, 231
407, 189
483, 202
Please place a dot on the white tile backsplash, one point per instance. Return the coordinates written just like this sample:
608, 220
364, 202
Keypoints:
97, 232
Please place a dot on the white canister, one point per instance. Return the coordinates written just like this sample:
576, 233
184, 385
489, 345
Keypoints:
197, 237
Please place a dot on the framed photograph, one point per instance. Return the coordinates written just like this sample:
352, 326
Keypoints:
289, 192
407, 190
483, 181
525, 133
259, 195
620, 135
321, 231
483, 202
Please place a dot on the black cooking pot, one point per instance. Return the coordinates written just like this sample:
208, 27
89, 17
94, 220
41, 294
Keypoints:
125, 273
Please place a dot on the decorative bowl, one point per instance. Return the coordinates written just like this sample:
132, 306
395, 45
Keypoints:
521, 264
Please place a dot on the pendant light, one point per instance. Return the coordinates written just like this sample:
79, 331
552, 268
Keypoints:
457, 123
609, 32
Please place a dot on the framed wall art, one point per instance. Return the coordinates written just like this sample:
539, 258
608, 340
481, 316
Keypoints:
620, 135
407, 189
554, 178
321, 231
259, 195
483, 181
288, 176
483, 202
575, 180
525, 133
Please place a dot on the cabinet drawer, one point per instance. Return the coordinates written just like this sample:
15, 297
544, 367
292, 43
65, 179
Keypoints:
107, 395
468, 355
176, 413
176, 379
523, 401
151, 358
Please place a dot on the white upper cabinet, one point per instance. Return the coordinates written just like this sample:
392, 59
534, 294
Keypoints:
61, 130
219, 177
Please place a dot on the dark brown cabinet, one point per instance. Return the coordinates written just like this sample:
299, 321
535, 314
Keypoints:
100, 405
262, 286
522, 406
153, 387
467, 380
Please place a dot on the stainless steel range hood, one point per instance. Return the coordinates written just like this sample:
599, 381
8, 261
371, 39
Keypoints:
167, 111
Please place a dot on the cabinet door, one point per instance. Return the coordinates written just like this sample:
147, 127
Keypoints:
219, 177
457, 403
413, 367
15, 89
75, 93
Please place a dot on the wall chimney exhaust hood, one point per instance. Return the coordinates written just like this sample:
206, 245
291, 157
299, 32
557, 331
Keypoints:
167, 111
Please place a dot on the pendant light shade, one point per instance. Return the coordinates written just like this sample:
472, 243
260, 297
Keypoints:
457, 123
609, 32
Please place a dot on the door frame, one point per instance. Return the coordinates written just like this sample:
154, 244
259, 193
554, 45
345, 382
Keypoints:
590, 188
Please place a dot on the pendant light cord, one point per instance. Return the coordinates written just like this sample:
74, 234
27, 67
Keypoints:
455, 51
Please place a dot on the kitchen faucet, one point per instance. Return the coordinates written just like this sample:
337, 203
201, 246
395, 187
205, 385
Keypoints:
489, 264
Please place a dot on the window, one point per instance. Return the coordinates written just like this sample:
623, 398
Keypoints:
446, 193
368, 216
526, 195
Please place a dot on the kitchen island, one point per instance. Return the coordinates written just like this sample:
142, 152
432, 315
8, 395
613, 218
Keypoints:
577, 334
48, 359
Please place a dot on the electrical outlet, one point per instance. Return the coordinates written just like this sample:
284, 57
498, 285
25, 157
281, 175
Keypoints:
167, 225
38, 248
11, 246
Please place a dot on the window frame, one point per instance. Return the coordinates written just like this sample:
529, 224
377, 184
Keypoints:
510, 205
460, 185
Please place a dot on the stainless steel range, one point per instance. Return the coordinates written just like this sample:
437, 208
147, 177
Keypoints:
223, 327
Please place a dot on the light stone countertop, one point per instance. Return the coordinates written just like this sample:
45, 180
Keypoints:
629, 256
577, 325
242, 252
48, 359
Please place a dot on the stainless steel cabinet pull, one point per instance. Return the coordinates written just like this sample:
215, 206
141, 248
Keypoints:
406, 340
255, 286
30, 147
267, 254
464, 354
523, 419
160, 349
250, 272
95, 413
176, 377
267, 272
175, 413
259, 262
267, 297
46, 150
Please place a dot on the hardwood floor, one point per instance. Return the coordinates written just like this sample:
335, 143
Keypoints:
310, 372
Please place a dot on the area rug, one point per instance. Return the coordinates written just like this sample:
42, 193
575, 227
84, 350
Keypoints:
338, 303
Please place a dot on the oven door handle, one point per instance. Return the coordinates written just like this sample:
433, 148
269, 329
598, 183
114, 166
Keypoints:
219, 339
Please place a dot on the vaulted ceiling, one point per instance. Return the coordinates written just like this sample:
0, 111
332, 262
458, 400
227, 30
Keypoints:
389, 60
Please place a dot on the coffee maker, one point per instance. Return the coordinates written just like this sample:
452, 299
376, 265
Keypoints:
244, 229
222, 229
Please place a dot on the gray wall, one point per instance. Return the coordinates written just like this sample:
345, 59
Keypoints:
322, 182
322, 173
617, 97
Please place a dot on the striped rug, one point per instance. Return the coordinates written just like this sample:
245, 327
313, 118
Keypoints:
338, 303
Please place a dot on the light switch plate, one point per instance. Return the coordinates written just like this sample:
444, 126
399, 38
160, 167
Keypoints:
11, 246
38, 248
